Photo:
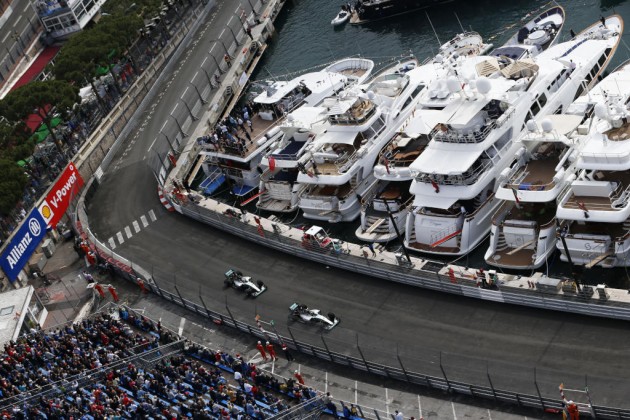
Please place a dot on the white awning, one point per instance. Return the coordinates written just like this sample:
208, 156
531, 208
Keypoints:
466, 110
339, 137
305, 116
563, 124
437, 159
435, 201
423, 123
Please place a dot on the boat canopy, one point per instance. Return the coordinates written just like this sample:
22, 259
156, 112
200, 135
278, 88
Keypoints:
424, 123
336, 137
306, 116
563, 124
444, 159
463, 112
338, 106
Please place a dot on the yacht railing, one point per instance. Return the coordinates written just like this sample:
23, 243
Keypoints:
620, 199
476, 135
605, 157
467, 178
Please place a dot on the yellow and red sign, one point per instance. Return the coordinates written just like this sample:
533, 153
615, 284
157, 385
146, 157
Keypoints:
59, 197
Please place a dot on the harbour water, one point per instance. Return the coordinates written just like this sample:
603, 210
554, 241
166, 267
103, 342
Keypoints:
306, 39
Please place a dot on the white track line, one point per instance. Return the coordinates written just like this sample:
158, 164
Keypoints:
128, 232
152, 215
144, 220
112, 243
136, 226
120, 237
454, 413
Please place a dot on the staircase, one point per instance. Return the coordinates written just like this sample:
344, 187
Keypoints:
501, 243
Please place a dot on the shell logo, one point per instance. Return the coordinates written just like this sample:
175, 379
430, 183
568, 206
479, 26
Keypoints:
46, 212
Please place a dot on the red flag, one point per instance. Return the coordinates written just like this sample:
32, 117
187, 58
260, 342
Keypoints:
99, 289
516, 196
272, 163
582, 207
436, 187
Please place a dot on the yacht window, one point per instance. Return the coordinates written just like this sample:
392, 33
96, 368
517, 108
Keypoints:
415, 93
533, 111
542, 100
602, 60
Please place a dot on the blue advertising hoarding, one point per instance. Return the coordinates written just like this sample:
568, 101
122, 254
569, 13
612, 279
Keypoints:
16, 255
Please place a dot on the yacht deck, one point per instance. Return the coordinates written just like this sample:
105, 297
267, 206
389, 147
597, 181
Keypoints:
620, 178
339, 191
259, 127
429, 248
619, 134
509, 257
402, 151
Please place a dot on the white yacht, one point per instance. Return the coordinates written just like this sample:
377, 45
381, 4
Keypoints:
535, 36
338, 172
594, 212
239, 160
279, 190
457, 174
523, 233
391, 193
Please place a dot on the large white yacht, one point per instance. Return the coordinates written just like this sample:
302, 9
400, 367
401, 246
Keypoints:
338, 171
238, 160
391, 194
523, 233
594, 212
457, 174
279, 190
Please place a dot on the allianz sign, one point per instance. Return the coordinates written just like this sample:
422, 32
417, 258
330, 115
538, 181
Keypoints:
26, 239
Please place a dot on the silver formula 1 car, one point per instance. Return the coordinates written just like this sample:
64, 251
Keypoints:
301, 313
238, 281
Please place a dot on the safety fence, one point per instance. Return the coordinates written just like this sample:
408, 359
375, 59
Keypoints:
427, 276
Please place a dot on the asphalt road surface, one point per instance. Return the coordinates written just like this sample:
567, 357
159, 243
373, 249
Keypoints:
516, 347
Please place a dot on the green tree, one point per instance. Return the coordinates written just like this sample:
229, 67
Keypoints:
15, 141
12, 183
43, 99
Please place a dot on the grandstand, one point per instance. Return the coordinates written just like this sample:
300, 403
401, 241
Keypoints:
118, 364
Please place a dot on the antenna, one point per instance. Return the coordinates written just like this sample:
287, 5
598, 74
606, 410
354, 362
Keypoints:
432, 27
459, 21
